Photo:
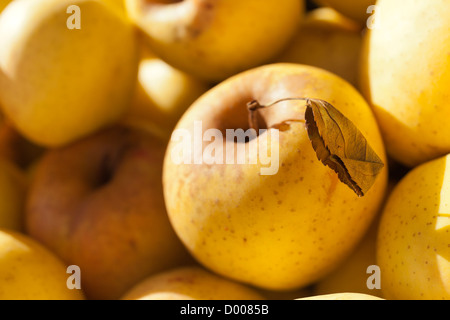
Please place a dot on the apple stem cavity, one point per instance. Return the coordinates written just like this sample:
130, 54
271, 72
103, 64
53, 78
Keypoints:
253, 107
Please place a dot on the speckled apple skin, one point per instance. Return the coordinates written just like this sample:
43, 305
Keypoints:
281, 231
413, 246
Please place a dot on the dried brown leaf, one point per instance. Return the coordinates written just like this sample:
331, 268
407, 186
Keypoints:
341, 146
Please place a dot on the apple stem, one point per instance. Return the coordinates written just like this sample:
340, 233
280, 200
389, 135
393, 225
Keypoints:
253, 107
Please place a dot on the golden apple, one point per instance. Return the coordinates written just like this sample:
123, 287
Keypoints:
98, 204
190, 282
354, 273
286, 295
162, 94
29, 271
13, 190
213, 40
118, 4
413, 242
59, 83
343, 296
354, 9
405, 72
280, 229
327, 40
3, 4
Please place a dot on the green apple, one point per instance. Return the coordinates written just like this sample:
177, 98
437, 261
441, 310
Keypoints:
213, 40
59, 83
279, 229
99, 204
405, 74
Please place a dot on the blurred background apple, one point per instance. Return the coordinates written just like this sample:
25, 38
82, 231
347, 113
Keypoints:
98, 204
328, 40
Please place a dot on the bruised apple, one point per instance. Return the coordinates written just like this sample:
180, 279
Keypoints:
98, 204
259, 206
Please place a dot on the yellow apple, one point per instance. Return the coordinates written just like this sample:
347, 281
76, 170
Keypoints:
343, 296
98, 204
213, 40
58, 83
327, 40
286, 295
283, 229
13, 190
29, 271
405, 74
352, 275
190, 282
3, 4
413, 242
354, 9
162, 95
118, 4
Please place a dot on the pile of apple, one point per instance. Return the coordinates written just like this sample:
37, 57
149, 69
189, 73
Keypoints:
93, 205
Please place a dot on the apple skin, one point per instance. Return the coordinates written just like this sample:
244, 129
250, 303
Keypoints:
162, 94
343, 296
118, 4
29, 271
3, 4
351, 275
98, 204
13, 191
328, 40
413, 241
192, 283
214, 40
276, 232
405, 72
58, 85
353, 9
